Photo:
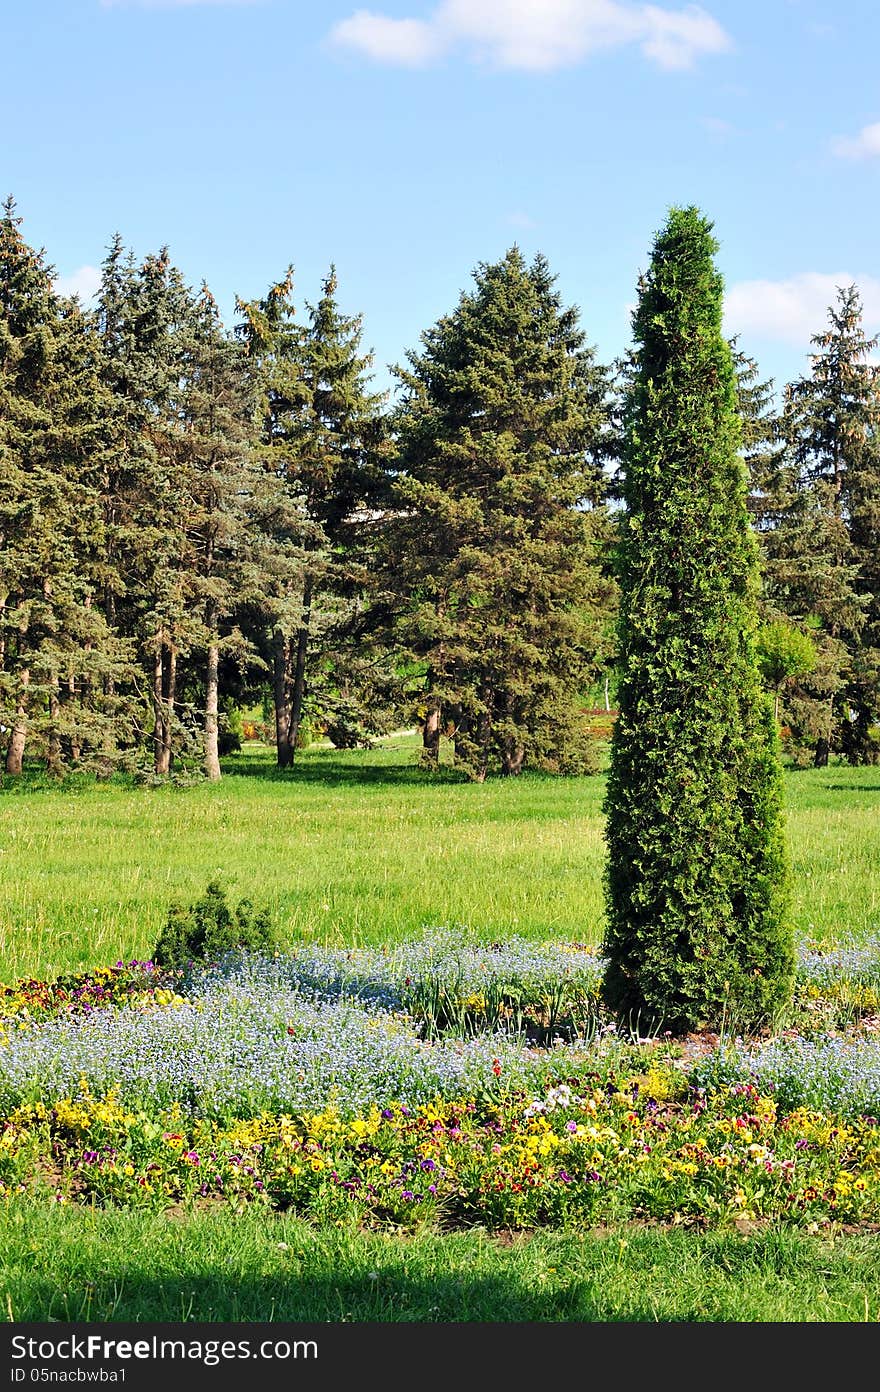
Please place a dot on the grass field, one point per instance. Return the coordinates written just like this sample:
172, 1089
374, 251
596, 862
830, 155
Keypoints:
362, 847
119, 1265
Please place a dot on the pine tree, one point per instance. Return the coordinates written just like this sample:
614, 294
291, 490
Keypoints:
697, 882
495, 552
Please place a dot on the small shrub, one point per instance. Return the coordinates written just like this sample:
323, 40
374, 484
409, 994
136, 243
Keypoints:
211, 927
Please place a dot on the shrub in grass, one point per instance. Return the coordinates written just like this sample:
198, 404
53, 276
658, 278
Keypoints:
209, 928
698, 928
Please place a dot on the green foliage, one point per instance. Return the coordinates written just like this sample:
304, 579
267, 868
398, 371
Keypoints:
210, 927
59, 661
322, 432
231, 728
495, 559
697, 887
832, 425
783, 653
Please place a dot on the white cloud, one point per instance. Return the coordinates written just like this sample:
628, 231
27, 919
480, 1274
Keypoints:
85, 282
791, 311
409, 43
535, 35
865, 145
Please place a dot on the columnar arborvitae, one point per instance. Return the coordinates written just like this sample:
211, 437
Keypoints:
698, 928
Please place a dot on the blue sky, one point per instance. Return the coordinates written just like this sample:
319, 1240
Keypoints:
407, 140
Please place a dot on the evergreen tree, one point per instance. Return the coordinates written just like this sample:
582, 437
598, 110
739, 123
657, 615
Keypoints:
697, 882
224, 493
809, 579
54, 643
833, 423
145, 314
322, 432
272, 340
495, 549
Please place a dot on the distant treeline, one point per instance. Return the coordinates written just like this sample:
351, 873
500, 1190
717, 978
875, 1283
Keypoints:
193, 518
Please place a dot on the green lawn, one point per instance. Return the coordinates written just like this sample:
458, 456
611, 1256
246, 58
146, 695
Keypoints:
119, 1265
364, 848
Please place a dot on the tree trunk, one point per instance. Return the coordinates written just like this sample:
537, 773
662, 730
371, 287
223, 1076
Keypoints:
212, 692
431, 735
512, 760
299, 671
158, 733
53, 757
164, 684
75, 740
15, 751
484, 735
281, 692
172, 696
460, 737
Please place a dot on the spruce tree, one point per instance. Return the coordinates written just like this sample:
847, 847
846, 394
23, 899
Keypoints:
322, 434
833, 422
698, 925
224, 491
809, 577
334, 437
272, 340
496, 543
54, 644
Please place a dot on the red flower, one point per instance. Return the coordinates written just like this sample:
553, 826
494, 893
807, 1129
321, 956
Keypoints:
496, 1067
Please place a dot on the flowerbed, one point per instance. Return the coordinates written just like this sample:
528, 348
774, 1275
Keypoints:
575, 1156
359, 1085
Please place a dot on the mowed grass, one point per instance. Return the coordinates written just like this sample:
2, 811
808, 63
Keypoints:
135, 1266
363, 847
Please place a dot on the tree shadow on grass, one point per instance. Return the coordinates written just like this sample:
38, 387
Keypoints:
332, 769
389, 1295
853, 787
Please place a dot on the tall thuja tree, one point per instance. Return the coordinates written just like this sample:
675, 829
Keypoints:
832, 420
495, 548
696, 880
